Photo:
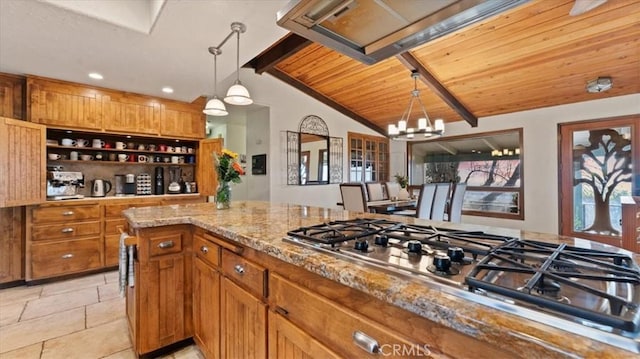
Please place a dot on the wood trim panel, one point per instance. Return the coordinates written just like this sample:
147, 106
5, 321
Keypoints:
13, 91
11, 244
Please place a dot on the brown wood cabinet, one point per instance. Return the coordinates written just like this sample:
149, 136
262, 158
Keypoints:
22, 163
160, 305
206, 305
11, 244
128, 113
12, 96
182, 120
287, 341
244, 323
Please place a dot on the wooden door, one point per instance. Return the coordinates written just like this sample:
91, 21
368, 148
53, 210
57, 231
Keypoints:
244, 323
599, 162
66, 105
205, 167
11, 244
22, 163
182, 121
206, 309
131, 114
12, 96
287, 341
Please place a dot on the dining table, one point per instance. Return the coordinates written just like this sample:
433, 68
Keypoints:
391, 206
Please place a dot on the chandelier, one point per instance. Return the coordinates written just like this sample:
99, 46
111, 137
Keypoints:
237, 94
425, 128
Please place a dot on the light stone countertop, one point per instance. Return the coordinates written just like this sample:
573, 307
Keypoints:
262, 225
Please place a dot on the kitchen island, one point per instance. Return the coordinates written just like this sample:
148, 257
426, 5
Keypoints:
429, 318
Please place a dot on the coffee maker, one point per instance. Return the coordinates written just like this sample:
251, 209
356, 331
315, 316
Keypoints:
64, 185
175, 179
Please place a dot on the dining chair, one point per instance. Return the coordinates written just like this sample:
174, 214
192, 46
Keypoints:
393, 189
440, 200
353, 197
425, 202
374, 191
455, 207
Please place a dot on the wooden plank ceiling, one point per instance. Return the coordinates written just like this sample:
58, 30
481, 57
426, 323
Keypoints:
530, 57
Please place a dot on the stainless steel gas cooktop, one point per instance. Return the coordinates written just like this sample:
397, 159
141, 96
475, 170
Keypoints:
587, 291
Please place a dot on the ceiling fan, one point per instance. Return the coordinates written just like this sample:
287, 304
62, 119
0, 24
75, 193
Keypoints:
582, 6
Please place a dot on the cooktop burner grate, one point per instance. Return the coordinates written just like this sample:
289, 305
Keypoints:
597, 286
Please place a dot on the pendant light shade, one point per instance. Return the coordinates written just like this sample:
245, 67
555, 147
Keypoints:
238, 95
215, 107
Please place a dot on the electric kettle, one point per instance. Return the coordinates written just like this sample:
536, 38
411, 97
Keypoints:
100, 188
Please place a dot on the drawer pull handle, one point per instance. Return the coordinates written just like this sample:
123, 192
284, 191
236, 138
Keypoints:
67, 230
67, 256
165, 244
239, 269
204, 249
67, 213
365, 342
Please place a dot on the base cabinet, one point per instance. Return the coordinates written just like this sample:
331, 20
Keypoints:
244, 323
163, 281
206, 308
287, 341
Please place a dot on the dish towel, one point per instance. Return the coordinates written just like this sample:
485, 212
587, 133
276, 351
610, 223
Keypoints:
125, 265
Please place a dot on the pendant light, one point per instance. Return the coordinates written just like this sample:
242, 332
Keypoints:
214, 106
402, 132
238, 94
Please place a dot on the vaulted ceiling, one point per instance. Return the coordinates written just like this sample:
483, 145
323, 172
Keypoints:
533, 56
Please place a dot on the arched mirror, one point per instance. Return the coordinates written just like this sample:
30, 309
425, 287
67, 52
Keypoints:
313, 157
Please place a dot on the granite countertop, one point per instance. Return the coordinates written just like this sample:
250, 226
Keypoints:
262, 225
125, 197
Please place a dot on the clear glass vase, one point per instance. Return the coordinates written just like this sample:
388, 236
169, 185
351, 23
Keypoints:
223, 195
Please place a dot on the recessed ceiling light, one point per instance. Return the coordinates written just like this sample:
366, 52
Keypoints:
167, 89
95, 76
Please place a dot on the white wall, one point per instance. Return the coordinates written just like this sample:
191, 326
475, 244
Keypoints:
258, 186
287, 107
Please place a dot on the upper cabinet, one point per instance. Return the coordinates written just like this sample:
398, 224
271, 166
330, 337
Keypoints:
66, 105
12, 92
74, 106
22, 163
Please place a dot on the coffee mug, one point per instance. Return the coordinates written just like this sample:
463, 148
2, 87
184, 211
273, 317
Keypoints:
113, 157
162, 148
171, 149
191, 159
73, 156
184, 149
190, 150
141, 147
142, 158
119, 145
166, 160
123, 157
97, 143
181, 159
54, 156
68, 142
152, 147
177, 149
107, 145
131, 145
86, 157
81, 142
175, 159
158, 159
133, 158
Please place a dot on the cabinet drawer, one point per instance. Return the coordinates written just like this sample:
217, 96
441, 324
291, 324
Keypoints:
206, 250
111, 225
55, 258
115, 210
65, 230
245, 273
337, 327
162, 245
65, 213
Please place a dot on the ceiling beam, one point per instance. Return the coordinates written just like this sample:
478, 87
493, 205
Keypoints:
412, 63
279, 51
446, 147
324, 99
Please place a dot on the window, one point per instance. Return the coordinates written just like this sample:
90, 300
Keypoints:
368, 158
489, 163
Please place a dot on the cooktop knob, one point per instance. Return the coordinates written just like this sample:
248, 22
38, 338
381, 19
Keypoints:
442, 262
414, 247
456, 254
361, 245
381, 240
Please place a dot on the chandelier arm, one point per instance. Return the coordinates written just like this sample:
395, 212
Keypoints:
424, 111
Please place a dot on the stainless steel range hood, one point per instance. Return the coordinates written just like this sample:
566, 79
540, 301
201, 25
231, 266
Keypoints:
373, 30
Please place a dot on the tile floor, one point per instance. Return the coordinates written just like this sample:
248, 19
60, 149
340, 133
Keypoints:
76, 318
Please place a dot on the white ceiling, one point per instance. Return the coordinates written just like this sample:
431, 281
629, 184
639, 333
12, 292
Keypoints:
41, 39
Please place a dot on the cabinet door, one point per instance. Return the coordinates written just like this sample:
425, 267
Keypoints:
286, 341
205, 169
206, 309
22, 163
12, 92
244, 331
131, 114
11, 244
64, 104
182, 121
